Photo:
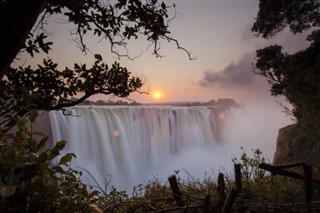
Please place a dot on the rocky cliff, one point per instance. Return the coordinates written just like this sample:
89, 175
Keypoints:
293, 148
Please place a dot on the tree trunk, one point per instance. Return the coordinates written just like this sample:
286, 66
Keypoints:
16, 20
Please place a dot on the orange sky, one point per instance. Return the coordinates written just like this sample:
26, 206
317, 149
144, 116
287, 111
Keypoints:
217, 33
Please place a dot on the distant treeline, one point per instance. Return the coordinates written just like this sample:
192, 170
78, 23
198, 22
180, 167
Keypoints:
221, 102
109, 102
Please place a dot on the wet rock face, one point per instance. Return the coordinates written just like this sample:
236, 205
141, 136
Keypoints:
292, 148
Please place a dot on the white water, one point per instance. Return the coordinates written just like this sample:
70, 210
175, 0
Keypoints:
132, 145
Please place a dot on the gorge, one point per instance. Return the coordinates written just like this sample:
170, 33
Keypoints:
130, 145
124, 146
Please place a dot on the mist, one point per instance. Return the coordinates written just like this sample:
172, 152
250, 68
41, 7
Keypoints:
126, 161
255, 126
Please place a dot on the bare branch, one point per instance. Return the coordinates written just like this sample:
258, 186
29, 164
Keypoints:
180, 47
287, 110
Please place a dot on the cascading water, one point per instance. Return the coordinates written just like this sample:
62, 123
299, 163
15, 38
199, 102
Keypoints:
130, 145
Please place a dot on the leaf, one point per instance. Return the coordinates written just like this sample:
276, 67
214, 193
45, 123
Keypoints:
67, 158
33, 115
56, 150
98, 57
43, 142
77, 67
163, 5
126, 13
58, 169
60, 145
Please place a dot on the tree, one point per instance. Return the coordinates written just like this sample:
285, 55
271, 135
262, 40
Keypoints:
48, 88
294, 76
29, 180
274, 16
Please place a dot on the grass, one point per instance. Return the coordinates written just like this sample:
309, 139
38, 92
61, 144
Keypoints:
261, 192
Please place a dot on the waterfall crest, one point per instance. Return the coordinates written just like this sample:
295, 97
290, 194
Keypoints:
127, 144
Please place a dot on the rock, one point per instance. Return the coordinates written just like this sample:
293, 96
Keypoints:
212, 102
227, 103
293, 148
284, 150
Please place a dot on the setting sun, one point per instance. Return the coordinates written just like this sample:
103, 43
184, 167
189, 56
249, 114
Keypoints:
157, 95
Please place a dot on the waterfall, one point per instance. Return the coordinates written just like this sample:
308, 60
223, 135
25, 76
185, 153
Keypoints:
128, 145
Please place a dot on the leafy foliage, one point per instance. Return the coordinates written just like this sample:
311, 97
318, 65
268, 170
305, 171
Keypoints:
47, 88
29, 182
260, 192
275, 15
264, 192
34, 44
250, 170
117, 22
295, 76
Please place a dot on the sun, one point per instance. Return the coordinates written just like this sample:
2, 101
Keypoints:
157, 95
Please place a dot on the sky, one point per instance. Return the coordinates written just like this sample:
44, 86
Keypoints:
218, 35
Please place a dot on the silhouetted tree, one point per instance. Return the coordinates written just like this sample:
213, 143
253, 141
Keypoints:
274, 16
48, 88
295, 76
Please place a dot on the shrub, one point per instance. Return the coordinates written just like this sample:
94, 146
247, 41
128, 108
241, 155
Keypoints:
29, 182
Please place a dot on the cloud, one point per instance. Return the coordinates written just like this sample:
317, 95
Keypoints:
237, 74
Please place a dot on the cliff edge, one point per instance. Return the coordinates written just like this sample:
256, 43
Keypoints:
293, 148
